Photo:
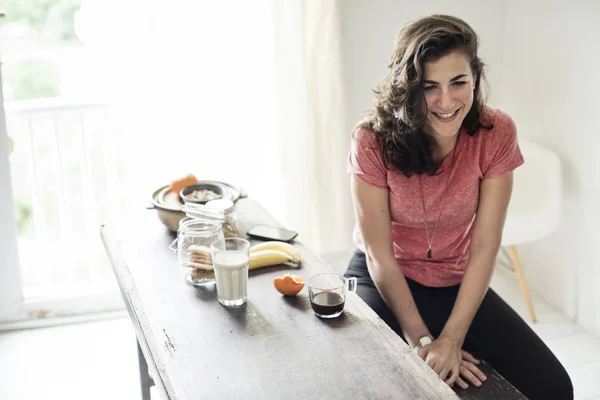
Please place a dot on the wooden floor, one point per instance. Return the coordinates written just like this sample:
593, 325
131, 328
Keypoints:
98, 360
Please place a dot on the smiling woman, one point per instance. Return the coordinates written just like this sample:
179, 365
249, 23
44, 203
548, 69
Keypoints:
448, 99
432, 179
410, 122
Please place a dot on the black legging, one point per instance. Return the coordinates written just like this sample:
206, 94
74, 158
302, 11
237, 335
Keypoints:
497, 334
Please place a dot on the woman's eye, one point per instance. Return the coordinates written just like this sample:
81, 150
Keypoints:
428, 88
459, 83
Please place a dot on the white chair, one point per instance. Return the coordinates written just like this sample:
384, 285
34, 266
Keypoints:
535, 207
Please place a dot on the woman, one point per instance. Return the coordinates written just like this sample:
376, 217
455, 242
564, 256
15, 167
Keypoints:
431, 181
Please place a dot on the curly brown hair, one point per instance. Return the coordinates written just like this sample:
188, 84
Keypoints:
400, 111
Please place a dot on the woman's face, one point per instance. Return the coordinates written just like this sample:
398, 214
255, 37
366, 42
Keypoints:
448, 87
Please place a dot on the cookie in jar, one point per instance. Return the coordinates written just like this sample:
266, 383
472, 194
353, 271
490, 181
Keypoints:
192, 246
230, 220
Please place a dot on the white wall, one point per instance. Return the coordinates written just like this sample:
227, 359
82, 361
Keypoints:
550, 87
543, 70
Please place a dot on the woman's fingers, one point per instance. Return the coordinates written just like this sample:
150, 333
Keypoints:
422, 353
454, 375
469, 376
431, 361
443, 373
475, 370
461, 383
469, 357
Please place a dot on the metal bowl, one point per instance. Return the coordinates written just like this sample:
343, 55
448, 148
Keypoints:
185, 192
168, 205
167, 208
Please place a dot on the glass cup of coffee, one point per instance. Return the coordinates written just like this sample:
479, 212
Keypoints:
230, 259
327, 293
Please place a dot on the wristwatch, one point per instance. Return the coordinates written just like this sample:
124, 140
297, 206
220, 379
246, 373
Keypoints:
424, 341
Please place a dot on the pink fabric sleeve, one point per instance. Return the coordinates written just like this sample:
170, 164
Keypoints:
502, 154
365, 158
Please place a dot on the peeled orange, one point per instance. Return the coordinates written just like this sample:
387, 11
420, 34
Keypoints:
288, 285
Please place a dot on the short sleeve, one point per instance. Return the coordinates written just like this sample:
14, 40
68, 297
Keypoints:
502, 154
365, 159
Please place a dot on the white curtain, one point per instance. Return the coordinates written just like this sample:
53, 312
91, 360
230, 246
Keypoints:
311, 122
245, 92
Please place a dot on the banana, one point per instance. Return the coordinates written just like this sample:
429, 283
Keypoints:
287, 248
265, 258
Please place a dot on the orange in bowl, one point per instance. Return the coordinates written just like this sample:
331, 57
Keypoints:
178, 185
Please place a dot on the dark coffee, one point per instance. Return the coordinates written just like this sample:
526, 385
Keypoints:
327, 303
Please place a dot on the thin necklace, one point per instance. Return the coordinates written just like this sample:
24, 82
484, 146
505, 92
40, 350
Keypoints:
430, 241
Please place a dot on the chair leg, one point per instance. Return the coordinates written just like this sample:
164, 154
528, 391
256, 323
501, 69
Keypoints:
514, 256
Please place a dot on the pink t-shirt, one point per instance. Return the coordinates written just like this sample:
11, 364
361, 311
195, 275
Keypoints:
486, 154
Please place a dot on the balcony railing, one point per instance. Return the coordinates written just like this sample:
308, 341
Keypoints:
65, 182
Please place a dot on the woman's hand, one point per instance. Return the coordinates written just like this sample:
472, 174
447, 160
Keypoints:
439, 357
469, 371
444, 357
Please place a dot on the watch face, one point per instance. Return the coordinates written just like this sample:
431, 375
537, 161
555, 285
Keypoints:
424, 341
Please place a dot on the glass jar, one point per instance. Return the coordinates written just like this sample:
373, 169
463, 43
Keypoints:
216, 210
230, 219
197, 261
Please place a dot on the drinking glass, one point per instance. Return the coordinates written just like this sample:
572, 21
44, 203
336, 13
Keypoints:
230, 259
327, 293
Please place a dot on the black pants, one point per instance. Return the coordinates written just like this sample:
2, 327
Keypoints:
497, 334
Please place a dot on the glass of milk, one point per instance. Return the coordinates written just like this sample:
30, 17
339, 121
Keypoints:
230, 258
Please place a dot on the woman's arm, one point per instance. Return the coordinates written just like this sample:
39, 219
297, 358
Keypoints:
371, 205
485, 242
444, 354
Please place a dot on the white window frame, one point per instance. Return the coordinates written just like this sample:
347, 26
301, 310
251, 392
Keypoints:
15, 312
11, 293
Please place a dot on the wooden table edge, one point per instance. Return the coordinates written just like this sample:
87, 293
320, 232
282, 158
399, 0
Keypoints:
126, 286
